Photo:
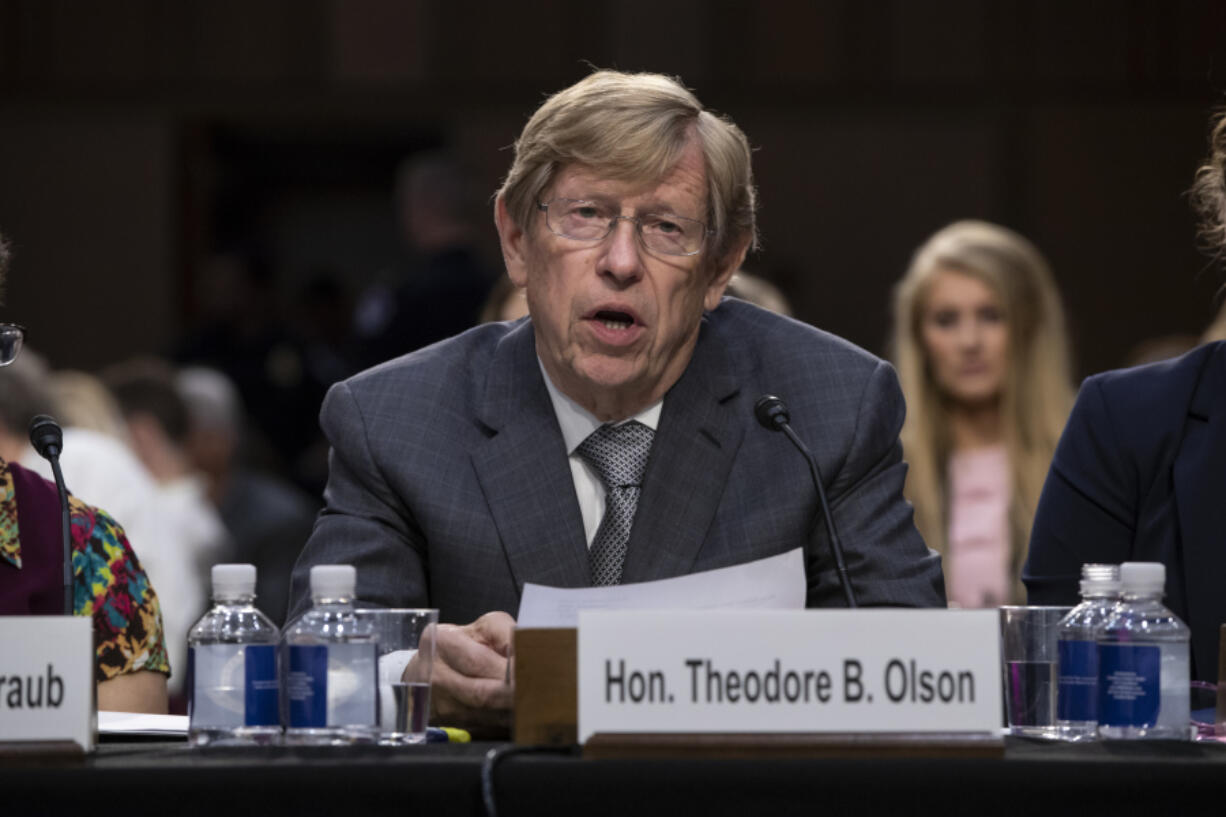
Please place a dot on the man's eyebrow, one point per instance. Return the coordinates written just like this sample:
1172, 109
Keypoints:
658, 206
596, 198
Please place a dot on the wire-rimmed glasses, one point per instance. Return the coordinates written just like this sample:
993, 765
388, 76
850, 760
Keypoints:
665, 233
12, 336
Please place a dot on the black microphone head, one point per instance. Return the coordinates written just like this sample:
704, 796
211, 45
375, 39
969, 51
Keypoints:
771, 412
46, 436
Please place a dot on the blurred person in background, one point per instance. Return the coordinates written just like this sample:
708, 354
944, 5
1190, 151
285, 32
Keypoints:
1162, 347
242, 333
193, 536
322, 323
109, 584
979, 342
268, 519
758, 291
506, 302
23, 394
82, 401
1138, 473
442, 285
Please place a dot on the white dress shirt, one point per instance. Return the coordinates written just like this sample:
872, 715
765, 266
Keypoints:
577, 423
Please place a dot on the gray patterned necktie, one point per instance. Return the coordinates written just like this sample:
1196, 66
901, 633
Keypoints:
619, 454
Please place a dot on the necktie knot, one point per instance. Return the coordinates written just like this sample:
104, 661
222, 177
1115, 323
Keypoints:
619, 453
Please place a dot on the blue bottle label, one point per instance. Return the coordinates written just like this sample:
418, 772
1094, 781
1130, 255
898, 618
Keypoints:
1078, 696
262, 705
1129, 677
307, 687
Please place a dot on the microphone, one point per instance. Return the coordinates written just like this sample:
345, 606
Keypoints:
48, 440
772, 413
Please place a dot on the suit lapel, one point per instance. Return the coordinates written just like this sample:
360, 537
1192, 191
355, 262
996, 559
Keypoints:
695, 444
524, 472
1202, 508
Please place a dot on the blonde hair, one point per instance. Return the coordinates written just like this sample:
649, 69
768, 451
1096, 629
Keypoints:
1208, 196
1036, 395
82, 401
1208, 193
758, 291
635, 127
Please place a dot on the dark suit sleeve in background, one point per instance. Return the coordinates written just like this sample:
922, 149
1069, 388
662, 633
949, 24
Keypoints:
1087, 510
886, 557
363, 523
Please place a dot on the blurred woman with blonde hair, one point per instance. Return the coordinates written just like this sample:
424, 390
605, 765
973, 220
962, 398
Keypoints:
980, 346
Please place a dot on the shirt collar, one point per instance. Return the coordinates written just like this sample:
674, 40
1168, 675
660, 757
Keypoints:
10, 544
577, 423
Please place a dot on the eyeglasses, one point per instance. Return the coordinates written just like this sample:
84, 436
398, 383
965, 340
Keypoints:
589, 221
12, 336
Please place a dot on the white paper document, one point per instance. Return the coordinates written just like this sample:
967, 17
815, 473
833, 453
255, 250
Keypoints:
136, 723
774, 583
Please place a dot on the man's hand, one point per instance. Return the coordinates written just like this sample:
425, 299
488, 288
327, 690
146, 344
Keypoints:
471, 685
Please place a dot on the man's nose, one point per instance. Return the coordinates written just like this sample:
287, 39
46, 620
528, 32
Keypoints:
622, 257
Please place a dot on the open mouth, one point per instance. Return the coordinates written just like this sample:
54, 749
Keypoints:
613, 319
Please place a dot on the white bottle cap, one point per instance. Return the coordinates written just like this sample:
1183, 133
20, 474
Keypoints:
1100, 579
233, 581
333, 581
1143, 577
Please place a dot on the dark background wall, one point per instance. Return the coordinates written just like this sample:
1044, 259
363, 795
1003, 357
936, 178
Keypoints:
138, 137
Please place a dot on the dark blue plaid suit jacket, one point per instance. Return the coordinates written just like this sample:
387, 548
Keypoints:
449, 484
1138, 476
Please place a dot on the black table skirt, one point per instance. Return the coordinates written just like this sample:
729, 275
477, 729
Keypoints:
1032, 779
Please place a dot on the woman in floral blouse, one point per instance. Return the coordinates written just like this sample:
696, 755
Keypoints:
108, 582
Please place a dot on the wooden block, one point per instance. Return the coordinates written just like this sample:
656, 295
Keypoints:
545, 666
42, 751
767, 746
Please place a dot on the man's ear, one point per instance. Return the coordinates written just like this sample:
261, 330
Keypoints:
514, 244
728, 266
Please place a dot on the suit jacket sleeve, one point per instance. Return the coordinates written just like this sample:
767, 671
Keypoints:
364, 522
887, 560
1087, 509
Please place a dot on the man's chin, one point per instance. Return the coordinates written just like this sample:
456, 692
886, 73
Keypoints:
609, 382
610, 372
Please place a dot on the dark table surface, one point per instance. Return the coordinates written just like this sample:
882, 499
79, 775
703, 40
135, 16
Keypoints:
1033, 778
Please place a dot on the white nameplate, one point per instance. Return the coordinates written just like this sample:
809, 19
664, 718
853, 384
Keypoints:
764, 671
47, 679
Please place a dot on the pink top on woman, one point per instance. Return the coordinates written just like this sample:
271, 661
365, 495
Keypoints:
977, 561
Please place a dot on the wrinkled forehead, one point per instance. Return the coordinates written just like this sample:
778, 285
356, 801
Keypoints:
680, 188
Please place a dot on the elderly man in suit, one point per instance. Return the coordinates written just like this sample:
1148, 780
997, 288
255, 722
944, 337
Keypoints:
610, 437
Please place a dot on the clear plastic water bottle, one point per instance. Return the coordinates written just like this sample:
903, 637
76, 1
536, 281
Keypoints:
331, 679
1143, 662
1077, 699
232, 682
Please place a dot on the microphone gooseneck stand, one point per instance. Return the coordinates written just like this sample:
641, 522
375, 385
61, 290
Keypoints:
48, 440
772, 413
